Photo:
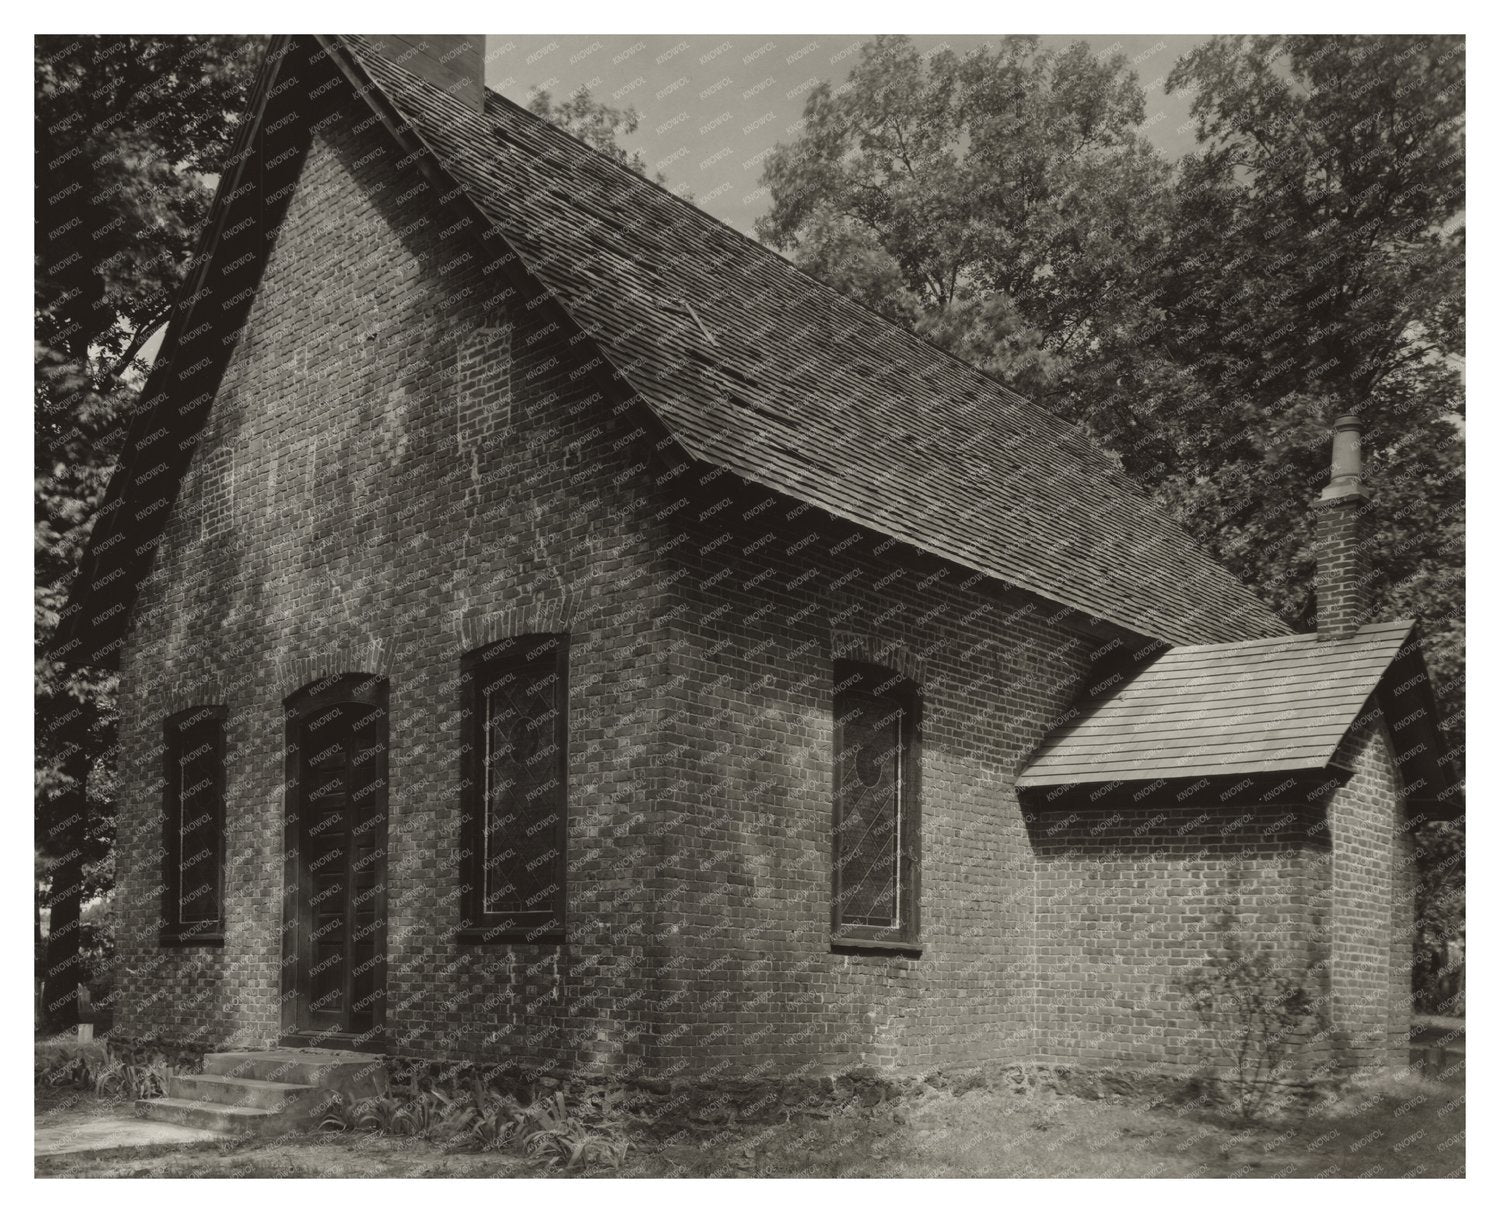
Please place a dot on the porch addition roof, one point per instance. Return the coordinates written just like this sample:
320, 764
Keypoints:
1280, 704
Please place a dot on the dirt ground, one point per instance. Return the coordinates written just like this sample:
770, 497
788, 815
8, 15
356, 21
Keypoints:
1408, 1127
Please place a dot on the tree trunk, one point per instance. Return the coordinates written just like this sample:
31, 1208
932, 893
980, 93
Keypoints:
63, 844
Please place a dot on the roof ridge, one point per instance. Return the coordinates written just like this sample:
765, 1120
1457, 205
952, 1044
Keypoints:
1405, 625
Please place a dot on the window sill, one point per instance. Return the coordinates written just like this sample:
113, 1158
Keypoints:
847, 943
204, 939
478, 935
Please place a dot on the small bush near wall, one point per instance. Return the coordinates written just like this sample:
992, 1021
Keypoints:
1257, 1014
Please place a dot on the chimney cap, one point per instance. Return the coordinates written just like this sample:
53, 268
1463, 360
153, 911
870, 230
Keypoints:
1345, 472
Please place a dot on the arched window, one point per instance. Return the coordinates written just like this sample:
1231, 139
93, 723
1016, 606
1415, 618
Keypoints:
876, 820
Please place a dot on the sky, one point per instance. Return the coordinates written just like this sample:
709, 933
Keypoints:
712, 106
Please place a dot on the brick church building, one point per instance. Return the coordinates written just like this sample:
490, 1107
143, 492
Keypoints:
551, 626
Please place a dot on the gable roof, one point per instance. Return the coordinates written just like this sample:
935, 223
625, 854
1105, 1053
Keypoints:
1277, 705
749, 364
757, 368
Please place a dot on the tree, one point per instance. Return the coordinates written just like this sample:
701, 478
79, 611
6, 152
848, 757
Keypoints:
129, 134
1000, 202
1321, 246
1320, 263
1206, 323
1438, 961
595, 123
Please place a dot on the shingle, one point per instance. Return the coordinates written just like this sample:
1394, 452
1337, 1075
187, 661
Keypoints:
1279, 704
757, 368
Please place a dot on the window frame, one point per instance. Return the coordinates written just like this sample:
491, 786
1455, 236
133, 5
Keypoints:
173, 932
478, 666
905, 693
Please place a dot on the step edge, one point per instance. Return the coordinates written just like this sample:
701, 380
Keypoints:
333, 1057
237, 1111
254, 1084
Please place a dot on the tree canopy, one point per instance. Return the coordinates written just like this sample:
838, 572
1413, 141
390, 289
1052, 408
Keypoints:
596, 123
130, 132
995, 201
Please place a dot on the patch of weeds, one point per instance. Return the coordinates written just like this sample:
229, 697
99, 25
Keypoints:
563, 1127
112, 1071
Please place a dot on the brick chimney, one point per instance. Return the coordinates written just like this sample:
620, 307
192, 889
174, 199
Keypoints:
453, 62
1343, 594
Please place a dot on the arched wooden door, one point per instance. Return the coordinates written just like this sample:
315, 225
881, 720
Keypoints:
334, 907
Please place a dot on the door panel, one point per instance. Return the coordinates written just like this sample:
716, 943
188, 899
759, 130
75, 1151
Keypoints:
338, 829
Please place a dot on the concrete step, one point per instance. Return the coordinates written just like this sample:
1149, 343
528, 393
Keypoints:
353, 1075
221, 1118
248, 1092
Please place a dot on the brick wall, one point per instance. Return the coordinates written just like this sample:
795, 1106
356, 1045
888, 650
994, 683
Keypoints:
771, 593
1371, 891
1047, 935
1128, 902
400, 465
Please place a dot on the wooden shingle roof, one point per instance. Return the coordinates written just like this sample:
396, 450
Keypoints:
749, 364
1281, 704
757, 368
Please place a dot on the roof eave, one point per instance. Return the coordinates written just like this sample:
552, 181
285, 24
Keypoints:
1197, 791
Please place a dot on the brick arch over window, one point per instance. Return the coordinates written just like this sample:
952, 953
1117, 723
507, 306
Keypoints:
344, 685
191, 691
487, 626
892, 653
374, 655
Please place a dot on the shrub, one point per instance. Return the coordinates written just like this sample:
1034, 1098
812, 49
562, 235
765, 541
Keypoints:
592, 1131
1254, 1012
63, 1067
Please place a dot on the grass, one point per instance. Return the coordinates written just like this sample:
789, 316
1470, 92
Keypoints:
1392, 1127
1387, 1128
